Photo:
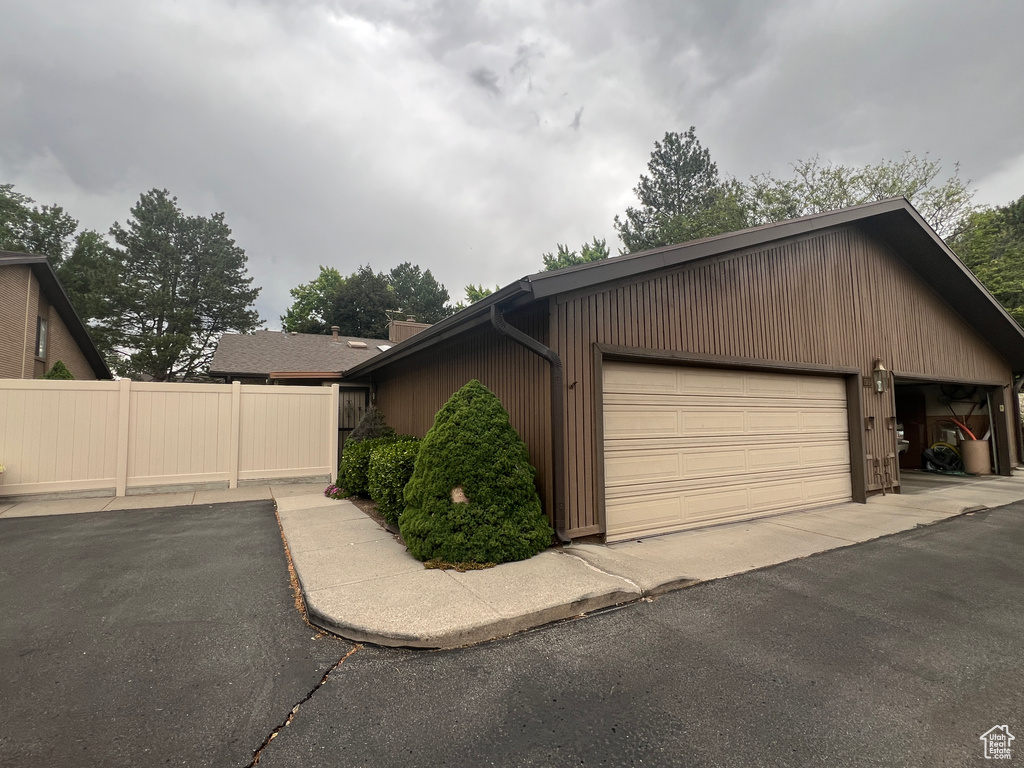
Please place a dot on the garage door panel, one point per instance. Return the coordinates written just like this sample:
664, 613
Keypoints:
725, 464
768, 385
708, 381
770, 496
636, 423
772, 422
774, 457
826, 489
653, 380
745, 444
709, 423
632, 515
822, 389
823, 421
825, 454
710, 480
644, 468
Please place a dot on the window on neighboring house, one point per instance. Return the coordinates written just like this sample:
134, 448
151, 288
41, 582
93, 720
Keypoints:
41, 329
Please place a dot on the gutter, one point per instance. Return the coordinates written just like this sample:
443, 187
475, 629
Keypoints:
557, 414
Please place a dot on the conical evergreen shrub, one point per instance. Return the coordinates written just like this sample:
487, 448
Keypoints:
473, 451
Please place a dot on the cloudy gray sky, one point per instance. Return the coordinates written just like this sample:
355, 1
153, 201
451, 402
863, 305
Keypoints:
470, 137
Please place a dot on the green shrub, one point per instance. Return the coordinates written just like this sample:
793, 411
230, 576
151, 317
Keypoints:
391, 466
370, 426
354, 470
58, 371
473, 446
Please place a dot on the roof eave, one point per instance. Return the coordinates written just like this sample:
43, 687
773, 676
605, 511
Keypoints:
597, 272
472, 316
58, 297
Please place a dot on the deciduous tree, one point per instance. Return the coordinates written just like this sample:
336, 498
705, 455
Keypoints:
991, 243
313, 303
817, 186
47, 230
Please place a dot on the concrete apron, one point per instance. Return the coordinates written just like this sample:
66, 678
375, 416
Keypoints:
359, 582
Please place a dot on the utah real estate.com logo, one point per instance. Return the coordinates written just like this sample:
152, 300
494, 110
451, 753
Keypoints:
997, 742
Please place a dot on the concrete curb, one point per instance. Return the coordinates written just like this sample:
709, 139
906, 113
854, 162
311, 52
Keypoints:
459, 637
375, 595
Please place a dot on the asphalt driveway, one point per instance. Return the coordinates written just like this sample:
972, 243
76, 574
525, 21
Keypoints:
897, 652
155, 637
169, 637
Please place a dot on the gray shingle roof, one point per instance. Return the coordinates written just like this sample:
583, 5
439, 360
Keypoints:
261, 353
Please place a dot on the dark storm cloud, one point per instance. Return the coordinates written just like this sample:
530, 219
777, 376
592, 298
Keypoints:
575, 124
346, 133
486, 79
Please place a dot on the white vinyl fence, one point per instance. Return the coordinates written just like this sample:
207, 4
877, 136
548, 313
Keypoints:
58, 436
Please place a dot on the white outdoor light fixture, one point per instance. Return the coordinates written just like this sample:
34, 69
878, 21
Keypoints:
880, 376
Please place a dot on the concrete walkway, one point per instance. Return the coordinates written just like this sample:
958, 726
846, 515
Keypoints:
360, 582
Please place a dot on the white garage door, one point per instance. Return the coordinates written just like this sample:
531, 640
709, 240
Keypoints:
687, 447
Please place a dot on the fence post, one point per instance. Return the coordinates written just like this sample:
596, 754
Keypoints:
332, 437
124, 404
236, 432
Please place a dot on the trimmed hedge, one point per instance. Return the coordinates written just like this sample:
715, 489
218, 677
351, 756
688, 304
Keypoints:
354, 466
473, 446
391, 466
354, 469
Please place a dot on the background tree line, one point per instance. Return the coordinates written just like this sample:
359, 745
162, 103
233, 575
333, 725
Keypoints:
362, 303
159, 290
683, 197
157, 295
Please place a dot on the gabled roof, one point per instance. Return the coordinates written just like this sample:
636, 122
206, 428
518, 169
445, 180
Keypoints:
895, 222
263, 352
58, 298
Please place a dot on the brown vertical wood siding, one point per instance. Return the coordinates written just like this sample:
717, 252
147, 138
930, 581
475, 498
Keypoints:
837, 299
411, 392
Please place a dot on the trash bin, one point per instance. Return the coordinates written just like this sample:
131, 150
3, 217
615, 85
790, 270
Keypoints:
977, 457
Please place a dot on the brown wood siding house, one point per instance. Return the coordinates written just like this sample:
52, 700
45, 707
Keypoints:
729, 377
38, 325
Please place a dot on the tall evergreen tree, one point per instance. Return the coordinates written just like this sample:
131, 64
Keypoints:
183, 282
683, 198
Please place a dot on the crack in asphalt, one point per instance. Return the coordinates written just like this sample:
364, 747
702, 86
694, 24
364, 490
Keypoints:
294, 710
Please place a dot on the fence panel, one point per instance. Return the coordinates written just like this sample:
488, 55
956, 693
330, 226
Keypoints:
57, 437
275, 425
116, 435
179, 433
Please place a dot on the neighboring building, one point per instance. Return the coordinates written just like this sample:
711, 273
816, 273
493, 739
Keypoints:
305, 359
730, 377
279, 357
38, 325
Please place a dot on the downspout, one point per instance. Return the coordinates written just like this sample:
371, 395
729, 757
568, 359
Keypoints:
557, 414
1017, 386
